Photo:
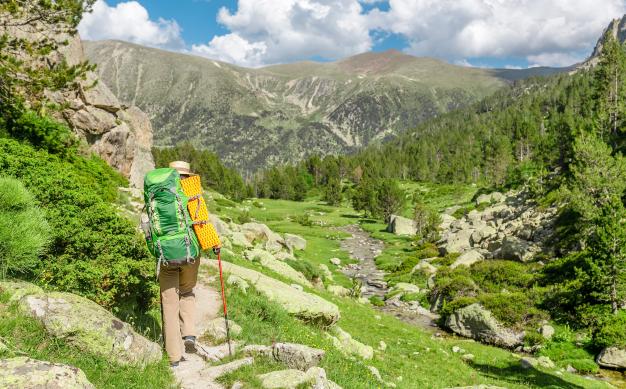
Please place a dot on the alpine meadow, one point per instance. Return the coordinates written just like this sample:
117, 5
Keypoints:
381, 213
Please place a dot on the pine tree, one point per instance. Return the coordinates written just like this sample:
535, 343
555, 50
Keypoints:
389, 199
332, 192
610, 86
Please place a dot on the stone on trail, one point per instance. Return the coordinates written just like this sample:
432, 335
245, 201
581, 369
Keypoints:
297, 356
295, 242
401, 225
476, 322
344, 342
89, 327
26, 373
306, 306
216, 329
612, 357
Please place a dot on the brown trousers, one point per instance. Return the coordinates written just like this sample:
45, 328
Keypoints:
178, 303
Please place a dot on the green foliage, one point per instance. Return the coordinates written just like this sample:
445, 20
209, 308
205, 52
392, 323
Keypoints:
94, 251
213, 173
332, 192
517, 309
566, 352
612, 331
303, 220
495, 275
24, 232
377, 301
305, 267
426, 221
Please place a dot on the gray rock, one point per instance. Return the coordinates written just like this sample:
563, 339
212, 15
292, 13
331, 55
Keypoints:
306, 306
238, 282
256, 350
267, 260
547, 331
295, 242
26, 373
424, 267
457, 242
478, 323
468, 258
297, 356
344, 342
375, 373
335, 261
239, 239
338, 290
314, 378
612, 357
89, 327
482, 233
221, 226
517, 249
401, 225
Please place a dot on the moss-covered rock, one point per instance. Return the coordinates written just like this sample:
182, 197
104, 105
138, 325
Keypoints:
306, 306
26, 373
18, 289
89, 327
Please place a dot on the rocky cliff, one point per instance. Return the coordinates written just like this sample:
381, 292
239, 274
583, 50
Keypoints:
120, 134
617, 28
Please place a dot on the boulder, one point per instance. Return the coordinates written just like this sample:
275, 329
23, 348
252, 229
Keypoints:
483, 198
530, 362
26, 373
306, 306
216, 329
476, 322
284, 256
344, 342
402, 288
315, 378
239, 239
517, 249
257, 350
482, 233
451, 210
425, 267
261, 232
338, 290
612, 357
18, 289
456, 242
89, 327
222, 228
547, 331
401, 225
297, 356
326, 271
295, 242
468, 258
446, 221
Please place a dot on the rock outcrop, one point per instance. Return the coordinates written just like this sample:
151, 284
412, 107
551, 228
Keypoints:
315, 377
476, 322
297, 356
510, 227
306, 306
84, 324
120, 134
26, 373
345, 343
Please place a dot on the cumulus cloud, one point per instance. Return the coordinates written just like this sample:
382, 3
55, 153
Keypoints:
275, 31
544, 32
129, 21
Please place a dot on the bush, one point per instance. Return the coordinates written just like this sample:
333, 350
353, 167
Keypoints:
377, 301
565, 353
305, 267
24, 232
303, 220
244, 217
612, 331
43, 133
514, 309
94, 251
493, 276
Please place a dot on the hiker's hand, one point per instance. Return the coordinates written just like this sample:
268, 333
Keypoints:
217, 249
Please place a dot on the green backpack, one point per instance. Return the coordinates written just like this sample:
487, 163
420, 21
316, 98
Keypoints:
168, 230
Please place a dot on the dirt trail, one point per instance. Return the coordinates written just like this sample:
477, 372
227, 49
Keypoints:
195, 372
365, 249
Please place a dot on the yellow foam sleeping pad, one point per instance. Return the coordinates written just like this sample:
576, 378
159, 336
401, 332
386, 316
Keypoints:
205, 231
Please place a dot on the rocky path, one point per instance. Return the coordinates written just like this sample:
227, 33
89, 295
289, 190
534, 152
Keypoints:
365, 249
195, 372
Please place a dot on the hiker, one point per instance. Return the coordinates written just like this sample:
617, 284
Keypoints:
178, 301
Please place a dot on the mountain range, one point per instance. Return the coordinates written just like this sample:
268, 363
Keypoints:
253, 118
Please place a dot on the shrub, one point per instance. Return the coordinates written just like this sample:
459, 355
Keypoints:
493, 276
244, 217
303, 220
612, 331
24, 232
305, 267
565, 353
94, 251
43, 133
514, 309
377, 301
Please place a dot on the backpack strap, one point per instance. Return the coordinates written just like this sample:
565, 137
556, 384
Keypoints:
161, 257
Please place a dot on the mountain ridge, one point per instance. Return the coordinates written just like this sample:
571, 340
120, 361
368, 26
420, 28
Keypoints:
254, 118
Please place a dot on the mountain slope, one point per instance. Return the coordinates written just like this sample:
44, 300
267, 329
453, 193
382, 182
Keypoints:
256, 117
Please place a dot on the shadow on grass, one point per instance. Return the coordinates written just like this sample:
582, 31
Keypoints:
349, 216
514, 373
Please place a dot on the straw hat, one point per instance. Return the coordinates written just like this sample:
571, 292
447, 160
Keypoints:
182, 167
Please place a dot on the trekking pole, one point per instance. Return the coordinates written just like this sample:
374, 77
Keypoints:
219, 262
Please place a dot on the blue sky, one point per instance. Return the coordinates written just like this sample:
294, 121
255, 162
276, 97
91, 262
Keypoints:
487, 33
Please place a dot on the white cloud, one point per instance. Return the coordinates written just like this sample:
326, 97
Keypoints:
463, 62
555, 59
542, 31
129, 21
275, 31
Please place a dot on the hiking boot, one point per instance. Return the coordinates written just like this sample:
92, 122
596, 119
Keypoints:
190, 344
174, 364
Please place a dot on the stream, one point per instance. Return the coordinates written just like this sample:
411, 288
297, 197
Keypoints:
362, 247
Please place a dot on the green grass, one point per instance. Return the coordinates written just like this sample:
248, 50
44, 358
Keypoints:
413, 359
26, 337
